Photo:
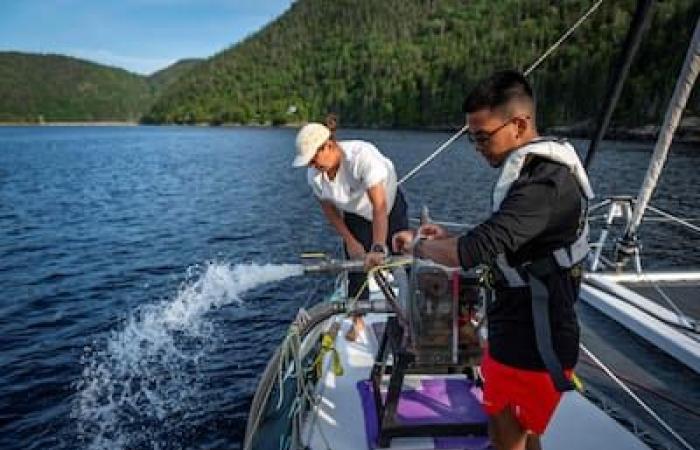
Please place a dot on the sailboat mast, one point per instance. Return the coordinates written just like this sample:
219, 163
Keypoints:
681, 93
638, 26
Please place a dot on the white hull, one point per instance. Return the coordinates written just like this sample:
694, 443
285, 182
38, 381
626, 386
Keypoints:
659, 325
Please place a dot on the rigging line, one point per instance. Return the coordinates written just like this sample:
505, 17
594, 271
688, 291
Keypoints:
634, 396
682, 326
568, 33
434, 154
666, 397
674, 218
665, 220
527, 72
682, 317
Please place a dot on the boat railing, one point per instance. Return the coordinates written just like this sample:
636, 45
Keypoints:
618, 210
286, 362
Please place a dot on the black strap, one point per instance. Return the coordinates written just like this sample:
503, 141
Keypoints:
543, 334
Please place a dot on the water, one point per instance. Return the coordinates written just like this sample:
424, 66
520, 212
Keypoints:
149, 371
137, 309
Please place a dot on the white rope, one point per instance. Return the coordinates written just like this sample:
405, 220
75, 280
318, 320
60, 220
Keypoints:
563, 37
290, 353
465, 128
284, 350
303, 387
634, 396
434, 154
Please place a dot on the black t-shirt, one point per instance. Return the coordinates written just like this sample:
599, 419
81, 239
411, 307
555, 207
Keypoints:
540, 213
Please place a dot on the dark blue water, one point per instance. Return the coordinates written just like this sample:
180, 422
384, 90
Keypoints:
124, 319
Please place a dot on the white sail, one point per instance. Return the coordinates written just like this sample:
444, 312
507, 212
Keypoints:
682, 91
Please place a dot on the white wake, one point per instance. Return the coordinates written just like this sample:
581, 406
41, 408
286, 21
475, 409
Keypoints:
146, 374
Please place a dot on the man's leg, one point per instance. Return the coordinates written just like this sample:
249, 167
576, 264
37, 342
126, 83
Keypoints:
356, 281
533, 442
361, 229
505, 431
358, 324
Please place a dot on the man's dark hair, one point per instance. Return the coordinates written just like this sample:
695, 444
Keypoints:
498, 90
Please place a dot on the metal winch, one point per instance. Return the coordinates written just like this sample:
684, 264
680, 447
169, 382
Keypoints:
445, 312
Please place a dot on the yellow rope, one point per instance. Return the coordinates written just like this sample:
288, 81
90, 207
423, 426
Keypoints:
371, 272
328, 346
578, 384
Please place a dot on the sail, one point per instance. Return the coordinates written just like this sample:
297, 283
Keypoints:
682, 91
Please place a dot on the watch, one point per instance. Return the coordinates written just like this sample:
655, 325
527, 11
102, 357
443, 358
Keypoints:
380, 248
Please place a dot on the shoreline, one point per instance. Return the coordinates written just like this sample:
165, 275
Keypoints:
108, 123
688, 131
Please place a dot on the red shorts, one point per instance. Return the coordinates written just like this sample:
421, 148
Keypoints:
529, 393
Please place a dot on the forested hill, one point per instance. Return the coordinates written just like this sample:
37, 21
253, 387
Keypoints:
36, 88
163, 78
60, 88
410, 62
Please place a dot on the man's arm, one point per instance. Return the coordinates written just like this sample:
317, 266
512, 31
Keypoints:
354, 247
380, 219
523, 215
442, 251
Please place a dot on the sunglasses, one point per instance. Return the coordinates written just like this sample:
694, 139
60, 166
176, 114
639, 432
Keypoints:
482, 138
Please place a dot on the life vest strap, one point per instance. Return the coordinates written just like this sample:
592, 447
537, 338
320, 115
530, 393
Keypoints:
543, 334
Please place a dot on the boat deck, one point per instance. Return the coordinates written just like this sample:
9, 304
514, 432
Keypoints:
339, 423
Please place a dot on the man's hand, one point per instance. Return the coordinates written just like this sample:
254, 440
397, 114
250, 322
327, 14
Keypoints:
432, 231
373, 259
402, 241
355, 249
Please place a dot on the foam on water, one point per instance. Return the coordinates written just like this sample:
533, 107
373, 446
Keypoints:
139, 385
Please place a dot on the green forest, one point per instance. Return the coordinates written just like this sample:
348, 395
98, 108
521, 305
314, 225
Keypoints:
37, 88
378, 63
409, 63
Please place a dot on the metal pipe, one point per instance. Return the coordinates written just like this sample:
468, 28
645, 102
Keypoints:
681, 93
335, 266
353, 265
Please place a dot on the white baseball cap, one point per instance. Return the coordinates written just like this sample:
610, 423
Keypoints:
309, 139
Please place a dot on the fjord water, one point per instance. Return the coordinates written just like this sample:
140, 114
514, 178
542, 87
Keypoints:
148, 273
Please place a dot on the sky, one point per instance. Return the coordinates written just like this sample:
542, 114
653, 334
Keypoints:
142, 36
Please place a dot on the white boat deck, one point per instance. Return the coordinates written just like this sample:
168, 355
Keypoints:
615, 296
339, 423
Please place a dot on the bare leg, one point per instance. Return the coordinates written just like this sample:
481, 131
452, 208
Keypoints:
505, 431
533, 442
358, 324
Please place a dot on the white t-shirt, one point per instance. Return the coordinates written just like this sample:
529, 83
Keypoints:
362, 166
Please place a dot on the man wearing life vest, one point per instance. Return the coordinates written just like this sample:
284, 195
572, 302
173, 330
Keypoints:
535, 240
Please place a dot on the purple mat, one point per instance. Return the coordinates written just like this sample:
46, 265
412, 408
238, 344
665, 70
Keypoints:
436, 401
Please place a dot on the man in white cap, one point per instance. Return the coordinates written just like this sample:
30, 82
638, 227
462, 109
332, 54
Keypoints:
357, 189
